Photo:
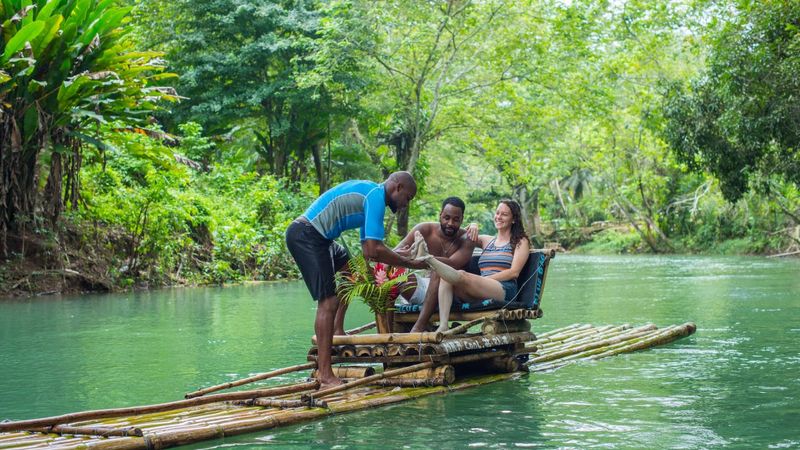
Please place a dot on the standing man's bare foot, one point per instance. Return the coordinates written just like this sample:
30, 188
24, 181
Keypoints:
339, 332
328, 383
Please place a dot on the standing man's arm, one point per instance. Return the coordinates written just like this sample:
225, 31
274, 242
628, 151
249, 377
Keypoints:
377, 251
405, 245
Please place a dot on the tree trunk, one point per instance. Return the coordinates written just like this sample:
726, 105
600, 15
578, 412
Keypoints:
316, 153
52, 190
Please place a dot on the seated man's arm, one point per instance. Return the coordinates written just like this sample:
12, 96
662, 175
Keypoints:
460, 258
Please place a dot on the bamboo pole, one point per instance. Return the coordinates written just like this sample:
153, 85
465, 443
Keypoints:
367, 380
349, 372
89, 431
446, 372
411, 382
550, 348
651, 339
571, 350
386, 338
479, 342
261, 376
137, 410
499, 327
281, 403
463, 328
346, 351
360, 329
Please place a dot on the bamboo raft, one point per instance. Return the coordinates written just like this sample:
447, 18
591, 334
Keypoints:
392, 368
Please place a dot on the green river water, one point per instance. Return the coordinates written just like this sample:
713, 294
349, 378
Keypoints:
733, 384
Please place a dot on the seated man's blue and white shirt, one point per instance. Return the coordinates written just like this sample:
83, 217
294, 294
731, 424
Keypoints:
352, 204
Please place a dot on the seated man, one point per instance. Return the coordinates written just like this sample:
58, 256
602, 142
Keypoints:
449, 244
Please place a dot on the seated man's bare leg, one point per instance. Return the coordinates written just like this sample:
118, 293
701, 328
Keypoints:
428, 305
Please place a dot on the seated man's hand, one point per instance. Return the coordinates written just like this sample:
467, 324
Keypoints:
472, 232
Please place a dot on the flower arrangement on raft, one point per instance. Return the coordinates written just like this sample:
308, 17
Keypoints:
376, 286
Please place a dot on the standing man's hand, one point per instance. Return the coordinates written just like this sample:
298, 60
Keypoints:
404, 251
472, 232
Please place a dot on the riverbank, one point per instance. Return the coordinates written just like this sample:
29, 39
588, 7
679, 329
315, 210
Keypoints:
84, 258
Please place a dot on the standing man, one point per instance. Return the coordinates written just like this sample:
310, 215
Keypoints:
449, 244
309, 238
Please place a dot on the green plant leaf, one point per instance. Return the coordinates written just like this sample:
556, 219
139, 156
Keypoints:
23, 36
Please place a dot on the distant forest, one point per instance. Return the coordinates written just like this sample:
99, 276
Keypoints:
159, 142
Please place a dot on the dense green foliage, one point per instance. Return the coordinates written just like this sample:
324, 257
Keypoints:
66, 66
621, 126
741, 120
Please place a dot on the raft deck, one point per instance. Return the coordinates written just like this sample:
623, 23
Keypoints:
203, 417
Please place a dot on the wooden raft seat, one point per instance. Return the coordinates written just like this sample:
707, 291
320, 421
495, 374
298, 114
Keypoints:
530, 283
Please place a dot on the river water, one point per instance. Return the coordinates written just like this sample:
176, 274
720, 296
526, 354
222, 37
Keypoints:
734, 384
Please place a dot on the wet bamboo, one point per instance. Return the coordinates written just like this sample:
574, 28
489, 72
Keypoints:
588, 340
90, 431
628, 335
386, 338
281, 403
136, 410
445, 372
463, 328
261, 376
361, 329
411, 382
587, 337
480, 342
367, 380
378, 351
501, 326
363, 351
349, 371
560, 330
346, 351
659, 337
587, 332
560, 334
553, 346
603, 342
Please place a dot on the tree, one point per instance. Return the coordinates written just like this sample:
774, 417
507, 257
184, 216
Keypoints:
66, 66
740, 120
273, 69
429, 57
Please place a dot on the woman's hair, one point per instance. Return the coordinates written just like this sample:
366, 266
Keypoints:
517, 228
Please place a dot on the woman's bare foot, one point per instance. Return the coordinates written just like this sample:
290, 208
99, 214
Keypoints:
442, 328
421, 246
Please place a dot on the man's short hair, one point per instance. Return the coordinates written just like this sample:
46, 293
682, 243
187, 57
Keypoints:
455, 201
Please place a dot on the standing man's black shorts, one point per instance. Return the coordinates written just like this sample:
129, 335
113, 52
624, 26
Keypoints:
317, 257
